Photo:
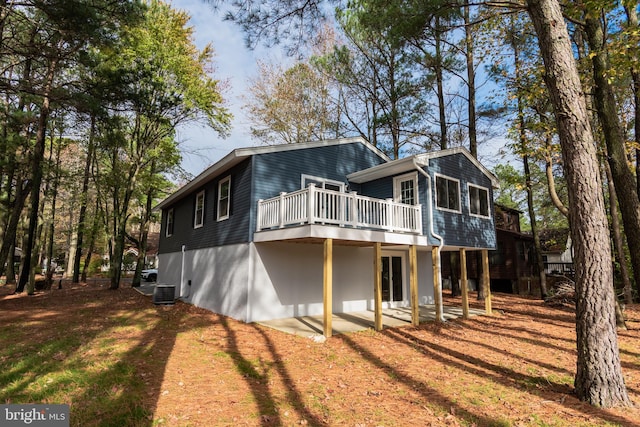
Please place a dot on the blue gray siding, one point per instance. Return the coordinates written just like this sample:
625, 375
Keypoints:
462, 229
260, 176
213, 232
457, 229
276, 172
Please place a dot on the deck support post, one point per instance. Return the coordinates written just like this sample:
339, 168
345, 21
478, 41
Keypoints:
413, 284
327, 295
437, 283
486, 282
464, 286
377, 285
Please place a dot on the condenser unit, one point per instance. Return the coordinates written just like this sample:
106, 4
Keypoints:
164, 294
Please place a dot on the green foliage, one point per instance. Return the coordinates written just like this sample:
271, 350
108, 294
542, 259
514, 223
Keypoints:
512, 191
513, 194
152, 80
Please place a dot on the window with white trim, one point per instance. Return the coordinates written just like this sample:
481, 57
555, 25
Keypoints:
447, 193
169, 229
198, 219
405, 189
478, 200
224, 198
327, 184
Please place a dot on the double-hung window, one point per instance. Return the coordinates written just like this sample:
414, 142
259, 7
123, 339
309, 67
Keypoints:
224, 198
198, 219
447, 193
478, 200
169, 229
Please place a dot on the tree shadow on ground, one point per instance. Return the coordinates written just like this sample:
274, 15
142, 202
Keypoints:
496, 373
428, 393
478, 327
257, 376
108, 363
498, 350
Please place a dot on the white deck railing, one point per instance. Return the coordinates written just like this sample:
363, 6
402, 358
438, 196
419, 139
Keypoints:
319, 206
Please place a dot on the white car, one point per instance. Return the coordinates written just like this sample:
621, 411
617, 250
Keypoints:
150, 275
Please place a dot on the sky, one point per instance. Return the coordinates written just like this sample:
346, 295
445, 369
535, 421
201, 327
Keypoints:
235, 64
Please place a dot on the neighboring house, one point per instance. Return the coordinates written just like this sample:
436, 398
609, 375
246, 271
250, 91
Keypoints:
557, 251
293, 230
511, 264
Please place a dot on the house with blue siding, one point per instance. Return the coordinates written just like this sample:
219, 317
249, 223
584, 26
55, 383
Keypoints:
322, 227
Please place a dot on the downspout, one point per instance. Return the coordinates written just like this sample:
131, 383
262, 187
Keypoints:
184, 248
440, 313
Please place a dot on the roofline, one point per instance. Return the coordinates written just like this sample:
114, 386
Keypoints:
385, 169
239, 154
406, 164
425, 157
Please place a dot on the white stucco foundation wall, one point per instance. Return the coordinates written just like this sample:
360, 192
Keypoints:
261, 281
425, 278
287, 280
213, 278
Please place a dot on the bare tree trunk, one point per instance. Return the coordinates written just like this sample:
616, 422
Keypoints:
618, 240
542, 274
607, 113
83, 203
632, 20
618, 244
551, 183
599, 379
11, 268
524, 147
36, 176
471, 84
92, 241
440, 86
8, 241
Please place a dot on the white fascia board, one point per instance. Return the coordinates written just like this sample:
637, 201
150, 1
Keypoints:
316, 231
394, 167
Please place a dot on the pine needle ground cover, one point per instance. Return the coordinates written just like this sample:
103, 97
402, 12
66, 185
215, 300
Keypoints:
118, 360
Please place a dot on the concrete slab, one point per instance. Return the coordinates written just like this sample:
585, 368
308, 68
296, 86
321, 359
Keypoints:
342, 323
312, 326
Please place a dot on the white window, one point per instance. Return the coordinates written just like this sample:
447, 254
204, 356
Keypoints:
478, 200
198, 219
327, 184
224, 198
447, 193
405, 189
169, 229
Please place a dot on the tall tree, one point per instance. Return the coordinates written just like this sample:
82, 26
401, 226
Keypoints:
291, 105
606, 107
599, 379
163, 81
46, 39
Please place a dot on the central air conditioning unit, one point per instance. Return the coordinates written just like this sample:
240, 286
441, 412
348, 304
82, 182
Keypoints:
164, 294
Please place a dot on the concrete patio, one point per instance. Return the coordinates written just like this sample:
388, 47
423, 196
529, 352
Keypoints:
310, 326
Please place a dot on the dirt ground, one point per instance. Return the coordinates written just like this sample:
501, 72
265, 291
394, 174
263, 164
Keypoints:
197, 368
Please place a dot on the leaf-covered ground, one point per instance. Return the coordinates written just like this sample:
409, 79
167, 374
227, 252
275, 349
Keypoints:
119, 360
